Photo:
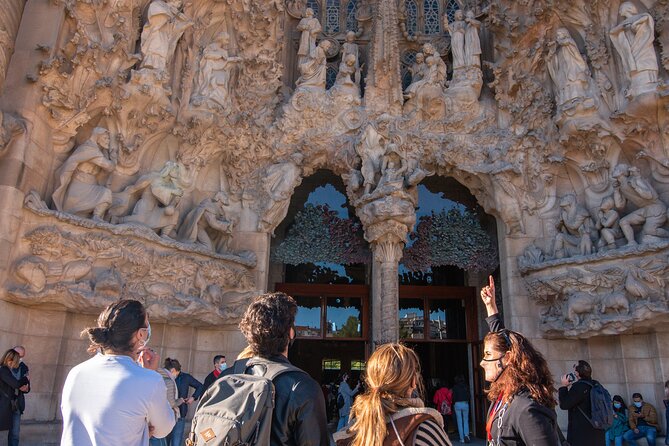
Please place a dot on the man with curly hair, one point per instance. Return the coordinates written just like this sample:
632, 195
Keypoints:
299, 417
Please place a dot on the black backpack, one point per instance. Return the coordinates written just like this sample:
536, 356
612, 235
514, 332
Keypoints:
237, 409
601, 408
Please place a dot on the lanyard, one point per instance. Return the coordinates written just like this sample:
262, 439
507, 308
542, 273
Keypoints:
493, 412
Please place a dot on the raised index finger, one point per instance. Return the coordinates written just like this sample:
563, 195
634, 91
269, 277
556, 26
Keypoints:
491, 281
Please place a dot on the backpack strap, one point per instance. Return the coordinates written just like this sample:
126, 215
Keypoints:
579, 407
270, 369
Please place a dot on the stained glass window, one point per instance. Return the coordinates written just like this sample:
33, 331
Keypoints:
412, 17
431, 15
315, 6
451, 7
408, 59
351, 21
330, 76
332, 16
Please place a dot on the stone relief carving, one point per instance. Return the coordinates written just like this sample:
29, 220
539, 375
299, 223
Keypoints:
633, 40
208, 224
569, 71
80, 190
86, 272
164, 26
313, 69
310, 28
279, 182
574, 227
11, 128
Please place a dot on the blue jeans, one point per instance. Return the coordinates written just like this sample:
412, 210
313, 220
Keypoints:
176, 437
462, 415
343, 421
157, 441
618, 441
13, 435
644, 431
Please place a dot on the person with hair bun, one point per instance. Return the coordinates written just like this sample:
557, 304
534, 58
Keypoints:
521, 385
388, 413
116, 397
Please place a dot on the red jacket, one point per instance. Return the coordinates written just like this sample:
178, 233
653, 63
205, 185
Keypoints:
441, 395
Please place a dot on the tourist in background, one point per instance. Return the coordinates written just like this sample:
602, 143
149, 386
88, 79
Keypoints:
10, 391
642, 418
184, 382
443, 402
387, 413
116, 397
574, 396
174, 400
620, 425
219, 366
461, 407
20, 401
346, 394
521, 385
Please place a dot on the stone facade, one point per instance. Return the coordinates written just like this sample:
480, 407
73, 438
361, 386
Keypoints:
149, 148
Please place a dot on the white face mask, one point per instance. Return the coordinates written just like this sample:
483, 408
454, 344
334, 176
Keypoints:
222, 366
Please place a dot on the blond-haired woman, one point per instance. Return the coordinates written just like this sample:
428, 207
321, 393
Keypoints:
388, 413
9, 385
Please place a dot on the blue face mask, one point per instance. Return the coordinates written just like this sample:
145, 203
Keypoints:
617, 405
638, 403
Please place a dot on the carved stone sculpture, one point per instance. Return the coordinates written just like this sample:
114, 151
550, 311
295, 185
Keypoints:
457, 30
163, 29
80, 191
393, 171
310, 28
213, 80
278, 182
313, 69
418, 68
574, 227
344, 84
10, 129
161, 192
6, 49
208, 225
425, 97
371, 150
608, 224
472, 41
350, 47
651, 212
633, 40
567, 68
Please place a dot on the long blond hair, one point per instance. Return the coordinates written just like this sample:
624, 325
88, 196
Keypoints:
393, 372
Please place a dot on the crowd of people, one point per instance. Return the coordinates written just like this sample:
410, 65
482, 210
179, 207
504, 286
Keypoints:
123, 395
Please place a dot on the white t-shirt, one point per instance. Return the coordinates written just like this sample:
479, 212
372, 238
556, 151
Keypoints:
110, 400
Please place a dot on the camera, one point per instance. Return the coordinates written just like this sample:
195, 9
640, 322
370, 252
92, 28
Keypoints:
571, 377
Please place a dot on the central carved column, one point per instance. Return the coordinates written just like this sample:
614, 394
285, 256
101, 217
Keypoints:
387, 252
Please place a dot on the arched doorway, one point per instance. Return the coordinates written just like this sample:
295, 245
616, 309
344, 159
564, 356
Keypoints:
319, 257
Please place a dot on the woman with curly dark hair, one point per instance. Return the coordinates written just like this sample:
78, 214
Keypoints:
521, 385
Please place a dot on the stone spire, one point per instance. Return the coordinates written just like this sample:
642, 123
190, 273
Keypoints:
384, 83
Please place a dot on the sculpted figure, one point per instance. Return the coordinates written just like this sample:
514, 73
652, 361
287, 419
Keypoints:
279, 182
344, 84
213, 79
607, 224
574, 228
313, 69
350, 47
472, 41
457, 30
418, 69
433, 78
161, 192
633, 40
393, 170
310, 27
629, 187
371, 150
10, 128
6, 48
164, 26
567, 68
207, 224
80, 191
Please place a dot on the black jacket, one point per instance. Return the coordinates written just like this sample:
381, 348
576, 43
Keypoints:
580, 432
523, 422
8, 388
299, 409
209, 380
184, 381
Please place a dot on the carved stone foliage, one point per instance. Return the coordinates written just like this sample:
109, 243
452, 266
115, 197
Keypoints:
616, 293
83, 266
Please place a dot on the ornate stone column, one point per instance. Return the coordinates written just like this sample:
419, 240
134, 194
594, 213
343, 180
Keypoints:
387, 252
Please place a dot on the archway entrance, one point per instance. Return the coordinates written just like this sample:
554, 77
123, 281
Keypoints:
320, 258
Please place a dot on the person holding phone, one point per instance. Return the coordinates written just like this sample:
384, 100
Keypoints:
116, 397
